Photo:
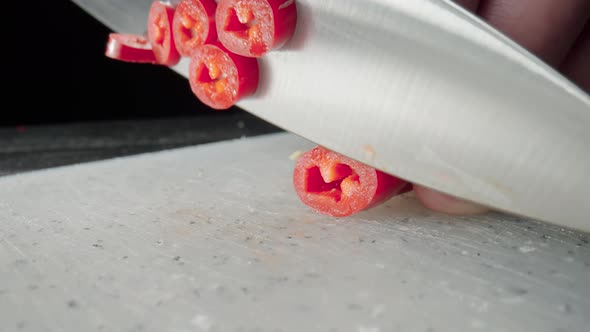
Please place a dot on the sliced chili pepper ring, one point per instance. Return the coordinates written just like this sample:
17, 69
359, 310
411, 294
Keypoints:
194, 25
252, 28
130, 48
220, 78
338, 186
160, 33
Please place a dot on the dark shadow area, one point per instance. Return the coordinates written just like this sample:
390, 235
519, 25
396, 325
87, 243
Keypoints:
61, 75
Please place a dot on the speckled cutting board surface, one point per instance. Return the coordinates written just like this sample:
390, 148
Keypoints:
213, 238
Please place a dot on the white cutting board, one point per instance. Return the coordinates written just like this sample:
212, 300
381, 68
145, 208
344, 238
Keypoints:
213, 238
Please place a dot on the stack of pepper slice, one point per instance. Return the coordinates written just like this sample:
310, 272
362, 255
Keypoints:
222, 39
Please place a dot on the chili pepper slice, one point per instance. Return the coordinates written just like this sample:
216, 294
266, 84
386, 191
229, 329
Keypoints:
194, 25
333, 184
253, 27
219, 78
160, 33
130, 48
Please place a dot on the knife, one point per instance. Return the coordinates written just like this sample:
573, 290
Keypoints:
428, 92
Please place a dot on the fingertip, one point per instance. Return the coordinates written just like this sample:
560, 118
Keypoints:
447, 204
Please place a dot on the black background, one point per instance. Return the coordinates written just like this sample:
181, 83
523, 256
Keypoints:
61, 74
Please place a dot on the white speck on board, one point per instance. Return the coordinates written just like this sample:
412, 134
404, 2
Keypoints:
364, 295
512, 300
526, 249
368, 329
378, 311
203, 322
480, 306
476, 324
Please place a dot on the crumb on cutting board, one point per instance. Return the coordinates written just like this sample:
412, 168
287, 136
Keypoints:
295, 155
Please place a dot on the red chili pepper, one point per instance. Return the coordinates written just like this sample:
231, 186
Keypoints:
220, 78
130, 48
252, 28
333, 184
160, 33
194, 25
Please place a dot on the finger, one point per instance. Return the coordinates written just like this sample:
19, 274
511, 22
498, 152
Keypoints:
470, 5
577, 63
447, 204
547, 28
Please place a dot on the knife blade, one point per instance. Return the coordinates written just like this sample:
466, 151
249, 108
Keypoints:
428, 92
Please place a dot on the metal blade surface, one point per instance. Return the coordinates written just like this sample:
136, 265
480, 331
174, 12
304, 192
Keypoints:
425, 91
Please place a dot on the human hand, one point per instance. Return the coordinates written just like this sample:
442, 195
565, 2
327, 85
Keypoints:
558, 32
